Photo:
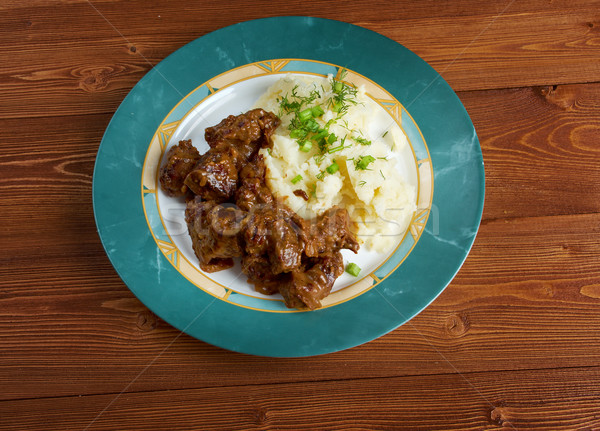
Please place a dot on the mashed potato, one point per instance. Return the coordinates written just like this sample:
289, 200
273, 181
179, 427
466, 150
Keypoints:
350, 167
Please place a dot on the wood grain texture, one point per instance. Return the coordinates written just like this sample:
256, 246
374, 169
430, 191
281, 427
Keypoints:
541, 148
531, 400
73, 328
514, 46
512, 343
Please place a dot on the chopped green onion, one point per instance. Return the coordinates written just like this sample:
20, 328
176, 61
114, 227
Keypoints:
305, 115
306, 146
298, 133
338, 148
362, 141
332, 168
338, 86
296, 179
353, 269
317, 111
312, 125
331, 138
363, 162
321, 134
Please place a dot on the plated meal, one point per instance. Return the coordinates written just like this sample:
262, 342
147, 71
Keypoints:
422, 143
287, 185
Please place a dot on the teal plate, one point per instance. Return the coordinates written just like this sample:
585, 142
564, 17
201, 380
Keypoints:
145, 239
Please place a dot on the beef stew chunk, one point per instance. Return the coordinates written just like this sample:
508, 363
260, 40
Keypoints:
214, 230
331, 231
215, 176
252, 188
247, 132
260, 273
181, 159
306, 288
275, 231
234, 215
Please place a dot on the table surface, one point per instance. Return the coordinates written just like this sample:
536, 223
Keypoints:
512, 343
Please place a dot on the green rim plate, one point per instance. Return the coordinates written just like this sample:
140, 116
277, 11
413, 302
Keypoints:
437, 250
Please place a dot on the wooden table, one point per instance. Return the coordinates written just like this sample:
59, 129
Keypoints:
512, 343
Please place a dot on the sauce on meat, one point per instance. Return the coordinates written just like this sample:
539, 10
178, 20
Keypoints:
231, 213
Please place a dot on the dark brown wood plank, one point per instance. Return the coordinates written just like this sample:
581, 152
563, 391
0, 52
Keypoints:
526, 298
507, 50
377, 10
533, 400
541, 148
40, 75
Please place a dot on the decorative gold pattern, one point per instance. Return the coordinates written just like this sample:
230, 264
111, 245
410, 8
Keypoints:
272, 65
165, 132
170, 251
419, 223
392, 107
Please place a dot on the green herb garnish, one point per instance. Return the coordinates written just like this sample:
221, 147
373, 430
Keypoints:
362, 141
353, 269
305, 146
362, 162
333, 168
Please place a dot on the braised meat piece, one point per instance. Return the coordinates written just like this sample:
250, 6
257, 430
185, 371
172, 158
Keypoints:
248, 132
330, 233
215, 233
215, 176
260, 273
181, 159
306, 288
286, 246
275, 231
252, 188
233, 143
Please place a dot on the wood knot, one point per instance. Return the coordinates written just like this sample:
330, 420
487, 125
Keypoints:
548, 90
457, 325
147, 321
548, 289
260, 416
93, 80
132, 48
563, 96
498, 417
